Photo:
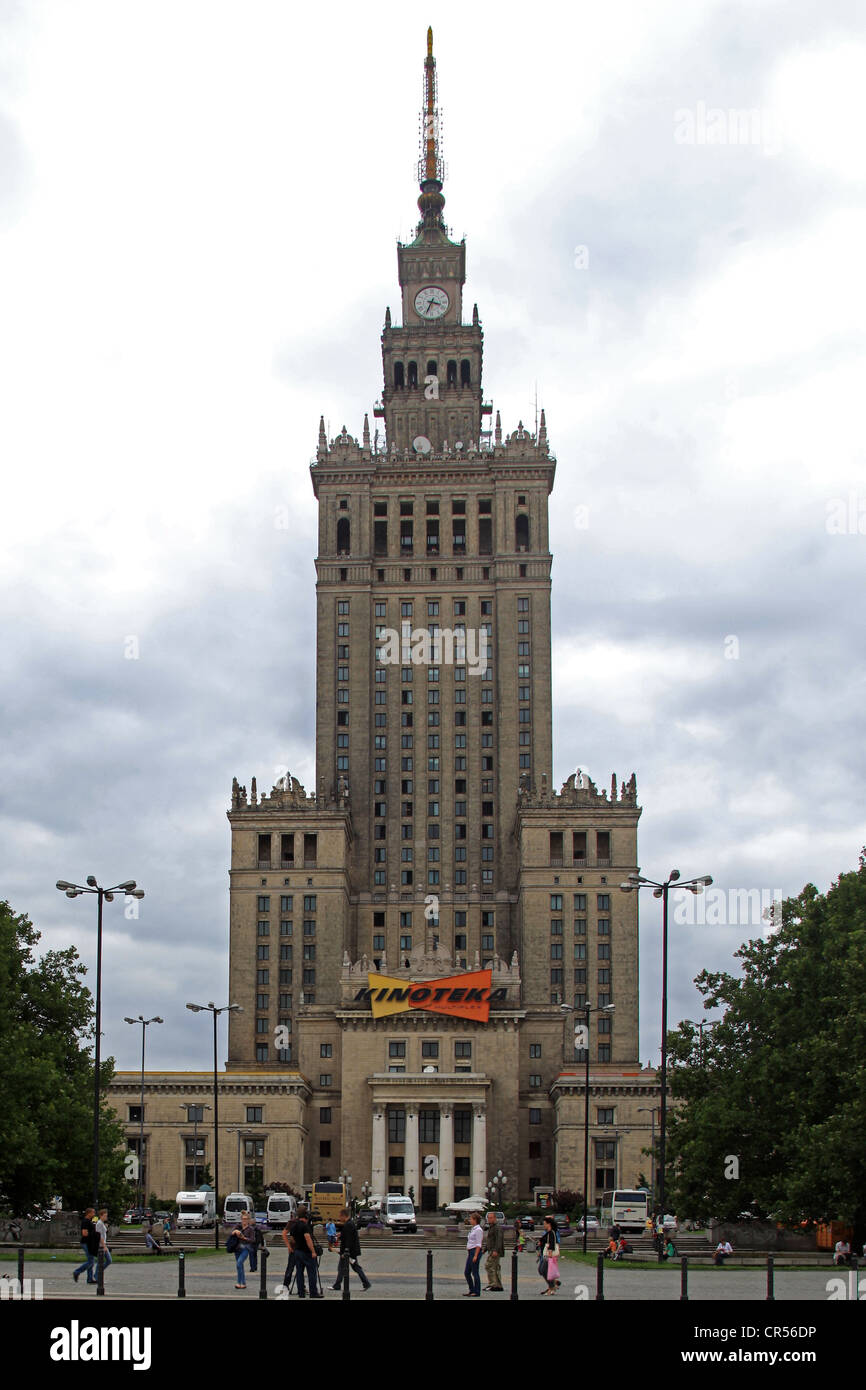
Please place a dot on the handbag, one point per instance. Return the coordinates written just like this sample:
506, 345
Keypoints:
232, 1243
318, 1249
542, 1266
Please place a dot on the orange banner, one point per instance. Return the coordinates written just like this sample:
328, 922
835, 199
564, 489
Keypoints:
462, 996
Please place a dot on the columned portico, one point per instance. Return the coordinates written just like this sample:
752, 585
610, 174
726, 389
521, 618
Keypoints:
441, 1094
379, 1176
446, 1153
479, 1148
410, 1179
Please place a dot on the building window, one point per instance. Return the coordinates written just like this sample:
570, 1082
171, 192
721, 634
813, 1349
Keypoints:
324, 1114
535, 1080
264, 904
556, 902
463, 1131
396, 1049
325, 1050
603, 902
396, 1126
463, 1049
324, 1148
326, 1079
535, 1049
134, 1114
428, 1126
604, 1116
261, 1052
534, 1116
429, 1049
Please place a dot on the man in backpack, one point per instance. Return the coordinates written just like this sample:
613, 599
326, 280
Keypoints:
350, 1245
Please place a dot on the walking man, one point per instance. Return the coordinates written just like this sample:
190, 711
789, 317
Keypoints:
494, 1244
89, 1244
350, 1251
306, 1259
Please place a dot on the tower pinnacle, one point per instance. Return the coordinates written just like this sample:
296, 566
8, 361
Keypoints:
431, 169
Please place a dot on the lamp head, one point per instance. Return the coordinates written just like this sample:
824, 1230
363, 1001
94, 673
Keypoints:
73, 892
90, 881
658, 893
130, 1020
195, 1008
706, 880
674, 875
126, 887
62, 885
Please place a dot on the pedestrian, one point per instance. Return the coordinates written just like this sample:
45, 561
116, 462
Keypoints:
166, 1231
89, 1244
842, 1253
331, 1232
151, 1243
519, 1236
350, 1252
102, 1232
473, 1256
722, 1251
494, 1244
549, 1257
246, 1235
306, 1256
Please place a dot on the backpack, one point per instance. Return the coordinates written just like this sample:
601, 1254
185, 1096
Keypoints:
232, 1243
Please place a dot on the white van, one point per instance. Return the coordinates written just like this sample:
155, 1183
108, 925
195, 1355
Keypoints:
399, 1213
235, 1203
282, 1208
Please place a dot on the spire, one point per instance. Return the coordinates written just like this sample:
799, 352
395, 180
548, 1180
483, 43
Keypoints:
431, 169
497, 435
323, 443
366, 432
542, 432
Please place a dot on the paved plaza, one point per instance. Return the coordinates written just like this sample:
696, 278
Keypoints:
401, 1274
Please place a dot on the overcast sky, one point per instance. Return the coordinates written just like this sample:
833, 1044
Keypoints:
199, 204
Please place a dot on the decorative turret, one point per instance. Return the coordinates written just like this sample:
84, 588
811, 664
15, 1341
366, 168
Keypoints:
366, 436
431, 169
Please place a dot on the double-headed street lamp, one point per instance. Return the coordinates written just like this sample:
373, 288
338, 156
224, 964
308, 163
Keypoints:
212, 1008
581, 1039
633, 884
144, 1023
195, 1109
75, 890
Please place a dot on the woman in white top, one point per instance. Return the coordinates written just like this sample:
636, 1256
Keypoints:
473, 1256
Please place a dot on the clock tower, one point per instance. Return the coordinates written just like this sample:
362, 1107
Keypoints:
432, 363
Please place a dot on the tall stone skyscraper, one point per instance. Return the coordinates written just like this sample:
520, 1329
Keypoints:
433, 845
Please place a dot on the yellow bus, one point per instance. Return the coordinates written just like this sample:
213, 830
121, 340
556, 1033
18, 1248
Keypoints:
327, 1200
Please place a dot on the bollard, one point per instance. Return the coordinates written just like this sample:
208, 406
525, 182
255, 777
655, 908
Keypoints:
771, 1297
263, 1284
100, 1274
684, 1279
853, 1280
181, 1275
21, 1266
344, 1276
599, 1278
428, 1297
514, 1276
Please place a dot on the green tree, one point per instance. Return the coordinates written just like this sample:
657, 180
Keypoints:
46, 1079
771, 1112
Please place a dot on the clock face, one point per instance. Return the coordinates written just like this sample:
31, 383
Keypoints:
431, 302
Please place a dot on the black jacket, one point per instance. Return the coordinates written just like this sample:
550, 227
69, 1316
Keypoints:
349, 1242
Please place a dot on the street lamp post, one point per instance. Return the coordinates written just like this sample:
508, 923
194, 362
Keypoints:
144, 1025
633, 884
211, 1007
195, 1109
582, 1032
495, 1188
75, 890
652, 1111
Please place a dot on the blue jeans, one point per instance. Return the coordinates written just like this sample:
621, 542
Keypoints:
473, 1272
88, 1264
242, 1254
305, 1261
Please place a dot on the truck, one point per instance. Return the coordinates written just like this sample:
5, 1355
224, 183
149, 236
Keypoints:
236, 1203
195, 1209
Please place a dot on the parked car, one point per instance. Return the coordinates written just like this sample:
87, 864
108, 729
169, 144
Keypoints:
134, 1215
591, 1224
262, 1220
562, 1223
368, 1217
527, 1222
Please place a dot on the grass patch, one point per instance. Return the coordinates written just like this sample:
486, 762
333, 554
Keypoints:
75, 1257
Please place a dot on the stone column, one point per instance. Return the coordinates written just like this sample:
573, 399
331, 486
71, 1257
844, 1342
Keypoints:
479, 1149
410, 1163
446, 1153
378, 1175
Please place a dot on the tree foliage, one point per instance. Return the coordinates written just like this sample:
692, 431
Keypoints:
47, 1079
775, 1091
